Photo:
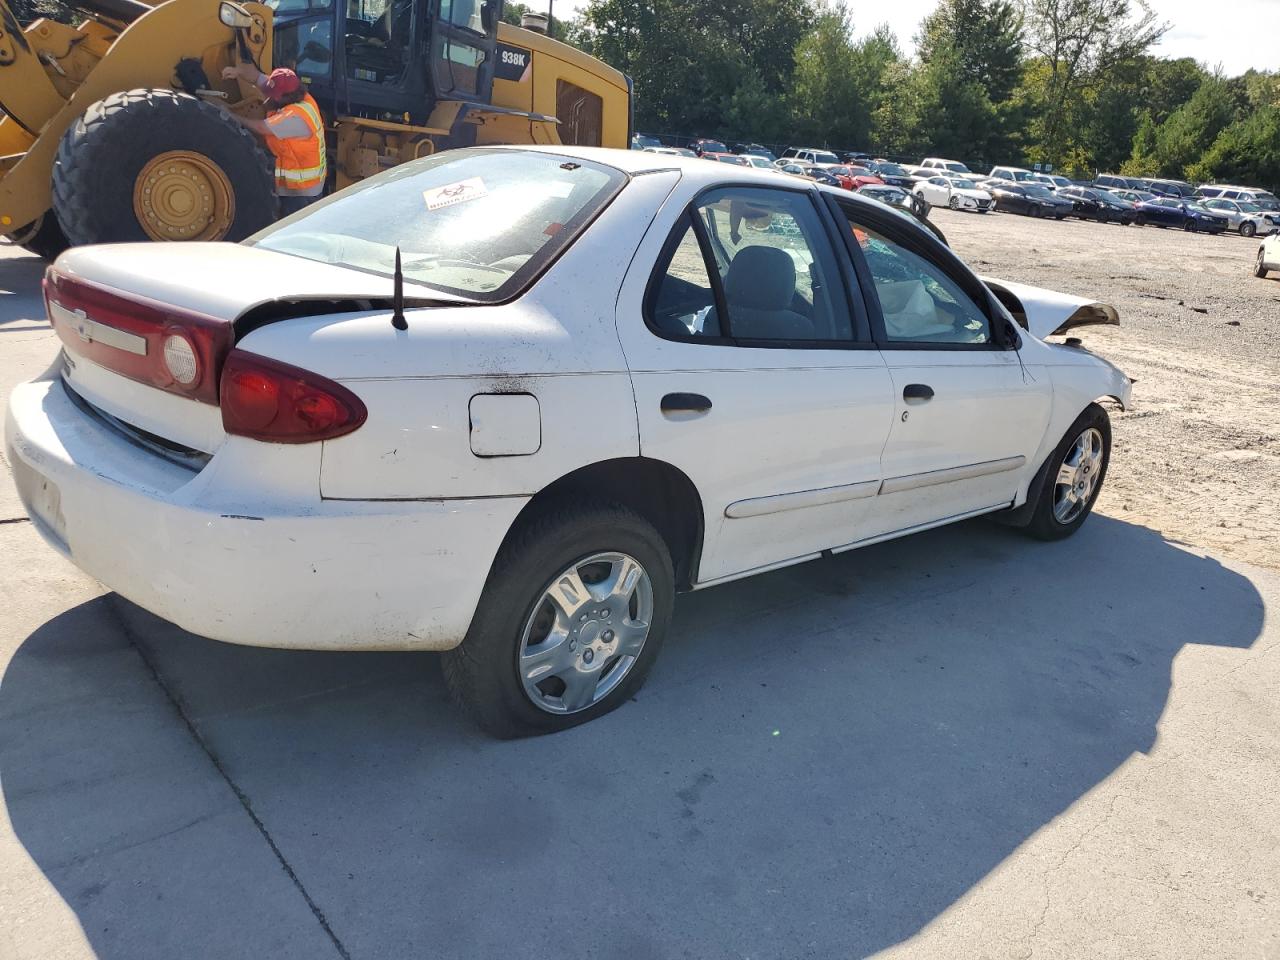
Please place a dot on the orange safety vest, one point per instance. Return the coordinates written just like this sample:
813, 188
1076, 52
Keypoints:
300, 161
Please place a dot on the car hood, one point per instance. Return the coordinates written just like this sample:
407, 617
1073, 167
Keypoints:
972, 194
1047, 312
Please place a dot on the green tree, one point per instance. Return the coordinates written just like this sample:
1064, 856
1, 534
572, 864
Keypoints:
687, 60
838, 82
1081, 42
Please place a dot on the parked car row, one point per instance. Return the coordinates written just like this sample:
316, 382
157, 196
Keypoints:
940, 181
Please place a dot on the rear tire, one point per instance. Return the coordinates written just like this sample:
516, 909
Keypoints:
484, 672
219, 185
1056, 516
44, 237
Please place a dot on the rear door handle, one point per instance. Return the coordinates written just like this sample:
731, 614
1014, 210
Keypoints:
917, 393
685, 403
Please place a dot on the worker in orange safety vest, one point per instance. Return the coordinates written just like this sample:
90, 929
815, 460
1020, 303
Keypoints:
293, 131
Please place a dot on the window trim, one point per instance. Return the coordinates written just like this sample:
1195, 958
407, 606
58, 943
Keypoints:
689, 217
927, 246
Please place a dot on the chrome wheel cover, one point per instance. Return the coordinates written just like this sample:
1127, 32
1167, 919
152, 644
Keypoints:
1078, 476
585, 633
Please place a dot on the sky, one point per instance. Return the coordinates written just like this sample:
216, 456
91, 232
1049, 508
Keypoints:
1236, 34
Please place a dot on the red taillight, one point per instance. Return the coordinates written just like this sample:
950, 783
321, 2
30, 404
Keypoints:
153, 343
268, 400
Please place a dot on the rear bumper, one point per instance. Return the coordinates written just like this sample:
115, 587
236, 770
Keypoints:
226, 556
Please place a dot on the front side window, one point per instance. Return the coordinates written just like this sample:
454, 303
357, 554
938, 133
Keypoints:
476, 223
919, 301
379, 39
306, 47
768, 265
463, 13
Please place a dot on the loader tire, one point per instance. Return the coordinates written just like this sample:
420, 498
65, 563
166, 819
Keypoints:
44, 237
160, 165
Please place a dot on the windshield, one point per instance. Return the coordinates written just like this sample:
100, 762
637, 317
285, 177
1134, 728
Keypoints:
957, 167
758, 161
892, 170
713, 146
477, 223
822, 156
961, 183
1034, 190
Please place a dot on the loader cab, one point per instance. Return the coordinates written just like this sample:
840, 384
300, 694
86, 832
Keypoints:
388, 59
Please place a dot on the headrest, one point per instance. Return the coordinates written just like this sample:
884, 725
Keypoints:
761, 277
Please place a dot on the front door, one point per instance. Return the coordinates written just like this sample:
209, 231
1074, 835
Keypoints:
754, 373
968, 415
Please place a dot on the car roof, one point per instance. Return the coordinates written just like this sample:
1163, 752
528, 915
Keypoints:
695, 169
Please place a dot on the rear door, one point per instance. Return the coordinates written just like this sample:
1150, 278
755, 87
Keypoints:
969, 414
755, 374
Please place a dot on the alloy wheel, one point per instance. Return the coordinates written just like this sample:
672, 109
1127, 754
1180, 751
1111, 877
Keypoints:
585, 633
1078, 476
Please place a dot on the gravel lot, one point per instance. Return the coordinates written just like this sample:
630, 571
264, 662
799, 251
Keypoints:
1198, 455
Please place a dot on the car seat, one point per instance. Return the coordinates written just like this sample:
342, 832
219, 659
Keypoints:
759, 289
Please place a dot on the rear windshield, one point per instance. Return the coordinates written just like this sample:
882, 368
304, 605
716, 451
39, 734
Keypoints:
822, 156
477, 223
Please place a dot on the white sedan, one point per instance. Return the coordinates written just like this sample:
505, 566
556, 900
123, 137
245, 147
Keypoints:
1268, 256
958, 193
610, 376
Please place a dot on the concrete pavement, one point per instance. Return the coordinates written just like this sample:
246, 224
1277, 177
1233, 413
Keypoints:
963, 744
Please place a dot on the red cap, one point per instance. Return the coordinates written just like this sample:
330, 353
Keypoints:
281, 83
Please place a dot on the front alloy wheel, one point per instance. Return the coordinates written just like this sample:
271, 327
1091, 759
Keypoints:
586, 632
1247, 229
954, 203
1078, 476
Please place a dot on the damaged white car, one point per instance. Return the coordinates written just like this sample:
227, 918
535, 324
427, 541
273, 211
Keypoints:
507, 402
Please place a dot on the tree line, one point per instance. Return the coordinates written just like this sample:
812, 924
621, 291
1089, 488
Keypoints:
1073, 83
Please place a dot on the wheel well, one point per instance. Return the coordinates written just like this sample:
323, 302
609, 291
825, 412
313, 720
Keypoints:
656, 490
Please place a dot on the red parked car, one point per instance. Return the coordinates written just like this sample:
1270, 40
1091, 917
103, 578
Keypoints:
852, 177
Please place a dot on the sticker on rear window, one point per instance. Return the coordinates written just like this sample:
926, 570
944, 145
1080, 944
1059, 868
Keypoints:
460, 192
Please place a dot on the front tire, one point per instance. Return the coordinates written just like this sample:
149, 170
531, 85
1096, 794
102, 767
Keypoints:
1068, 484
1248, 229
954, 203
1260, 265
160, 165
572, 617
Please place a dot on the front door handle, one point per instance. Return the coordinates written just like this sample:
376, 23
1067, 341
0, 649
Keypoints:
685, 403
917, 393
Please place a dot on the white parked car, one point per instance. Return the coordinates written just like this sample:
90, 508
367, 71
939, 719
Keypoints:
611, 376
958, 193
1244, 217
943, 165
1268, 256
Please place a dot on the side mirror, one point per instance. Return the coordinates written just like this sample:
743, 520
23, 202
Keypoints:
233, 15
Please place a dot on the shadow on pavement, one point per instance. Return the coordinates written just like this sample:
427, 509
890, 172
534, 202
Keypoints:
824, 759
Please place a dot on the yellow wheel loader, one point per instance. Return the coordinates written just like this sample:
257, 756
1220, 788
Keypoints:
116, 128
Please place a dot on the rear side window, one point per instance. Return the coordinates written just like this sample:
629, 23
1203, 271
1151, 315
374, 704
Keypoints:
477, 223
754, 266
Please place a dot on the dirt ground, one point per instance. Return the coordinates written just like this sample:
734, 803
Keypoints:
1198, 455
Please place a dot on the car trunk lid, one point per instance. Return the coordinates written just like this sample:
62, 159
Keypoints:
146, 328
